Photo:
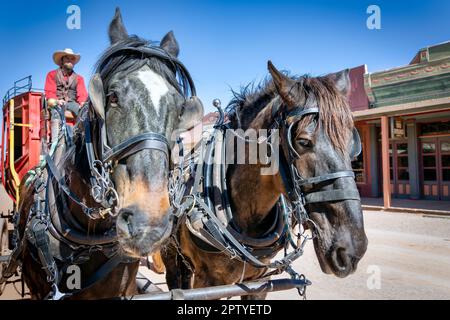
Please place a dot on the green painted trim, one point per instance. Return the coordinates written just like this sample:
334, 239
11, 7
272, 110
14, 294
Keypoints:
418, 90
408, 73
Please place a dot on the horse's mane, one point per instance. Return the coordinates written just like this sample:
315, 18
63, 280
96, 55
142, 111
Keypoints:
249, 101
334, 112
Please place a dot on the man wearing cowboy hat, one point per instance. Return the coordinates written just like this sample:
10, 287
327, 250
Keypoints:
64, 87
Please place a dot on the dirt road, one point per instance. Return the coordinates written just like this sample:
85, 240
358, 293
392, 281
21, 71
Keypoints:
409, 253
408, 258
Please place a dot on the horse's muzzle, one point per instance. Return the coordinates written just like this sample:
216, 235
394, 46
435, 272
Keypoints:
140, 235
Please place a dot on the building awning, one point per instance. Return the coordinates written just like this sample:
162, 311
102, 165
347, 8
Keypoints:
417, 107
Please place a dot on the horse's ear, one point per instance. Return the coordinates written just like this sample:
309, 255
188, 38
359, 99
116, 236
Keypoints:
97, 95
283, 84
117, 31
170, 44
342, 81
191, 113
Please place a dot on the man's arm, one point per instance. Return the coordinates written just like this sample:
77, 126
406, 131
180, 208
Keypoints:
82, 94
50, 85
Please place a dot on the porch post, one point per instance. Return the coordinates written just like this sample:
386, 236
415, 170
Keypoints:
413, 161
374, 173
385, 161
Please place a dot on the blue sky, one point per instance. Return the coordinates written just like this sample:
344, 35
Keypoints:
225, 43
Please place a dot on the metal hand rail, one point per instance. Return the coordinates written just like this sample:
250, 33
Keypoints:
20, 86
12, 167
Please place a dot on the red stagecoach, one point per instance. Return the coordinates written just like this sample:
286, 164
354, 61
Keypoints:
24, 139
24, 133
22, 130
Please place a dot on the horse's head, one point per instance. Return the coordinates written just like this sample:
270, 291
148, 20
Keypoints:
323, 143
134, 93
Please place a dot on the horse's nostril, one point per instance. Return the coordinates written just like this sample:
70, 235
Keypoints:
126, 215
125, 219
340, 259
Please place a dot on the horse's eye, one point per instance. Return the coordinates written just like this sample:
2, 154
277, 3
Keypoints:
304, 142
113, 98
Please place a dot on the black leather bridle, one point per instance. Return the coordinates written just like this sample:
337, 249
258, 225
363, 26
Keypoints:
102, 188
295, 183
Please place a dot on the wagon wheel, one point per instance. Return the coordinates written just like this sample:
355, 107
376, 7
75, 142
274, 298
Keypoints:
4, 237
4, 245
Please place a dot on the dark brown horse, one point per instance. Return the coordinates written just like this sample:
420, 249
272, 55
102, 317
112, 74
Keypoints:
322, 141
136, 103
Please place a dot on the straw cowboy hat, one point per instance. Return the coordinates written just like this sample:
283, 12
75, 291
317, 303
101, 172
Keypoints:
58, 55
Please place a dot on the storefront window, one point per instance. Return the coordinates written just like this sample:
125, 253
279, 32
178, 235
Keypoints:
428, 148
435, 166
435, 128
403, 174
402, 148
446, 174
402, 161
445, 147
445, 160
429, 174
429, 161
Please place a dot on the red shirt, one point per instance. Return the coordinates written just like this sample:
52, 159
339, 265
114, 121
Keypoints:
50, 87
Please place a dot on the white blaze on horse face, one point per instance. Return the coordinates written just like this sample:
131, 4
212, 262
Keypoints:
155, 85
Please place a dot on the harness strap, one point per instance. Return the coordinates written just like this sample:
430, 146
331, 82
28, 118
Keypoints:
149, 140
301, 112
101, 273
332, 195
285, 177
214, 231
327, 177
42, 244
66, 233
236, 244
208, 242
196, 187
53, 171
38, 237
98, 275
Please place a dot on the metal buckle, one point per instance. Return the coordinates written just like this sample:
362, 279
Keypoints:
56, 294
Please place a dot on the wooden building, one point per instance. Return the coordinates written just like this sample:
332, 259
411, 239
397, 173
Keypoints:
403, 116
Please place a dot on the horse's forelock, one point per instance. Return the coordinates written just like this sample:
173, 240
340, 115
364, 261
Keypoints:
334, 112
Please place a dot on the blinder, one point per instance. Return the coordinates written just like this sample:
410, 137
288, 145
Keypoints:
356, 145
298, 113
291, 119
